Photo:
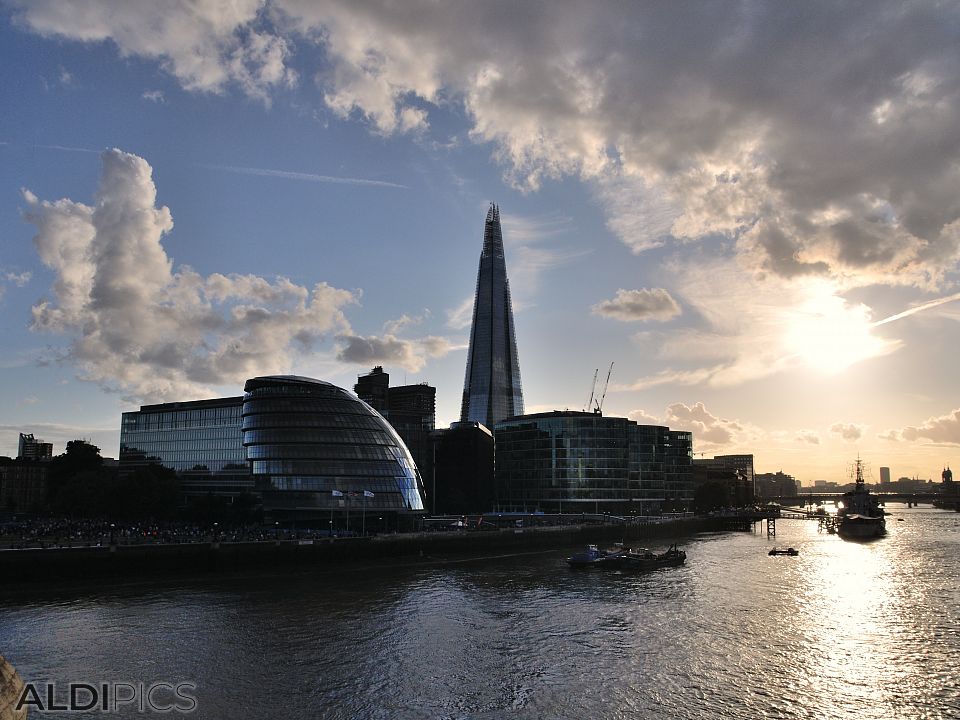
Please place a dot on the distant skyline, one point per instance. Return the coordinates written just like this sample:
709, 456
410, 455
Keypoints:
751, 208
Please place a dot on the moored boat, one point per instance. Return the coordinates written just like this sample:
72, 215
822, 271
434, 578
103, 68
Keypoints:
594, 556
793, 552
861, 516
643, 559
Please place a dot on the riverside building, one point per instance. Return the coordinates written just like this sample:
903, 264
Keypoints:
491, 388
410, 409
317, 451
310, 450
583, 462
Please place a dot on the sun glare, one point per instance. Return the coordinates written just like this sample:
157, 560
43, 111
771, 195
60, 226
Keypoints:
827, 334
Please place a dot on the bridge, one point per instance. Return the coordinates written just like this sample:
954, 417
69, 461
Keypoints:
927, 498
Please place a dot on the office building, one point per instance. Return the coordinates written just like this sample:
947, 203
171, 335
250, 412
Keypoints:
30, 448
738, 469
778, 484
491, 387
23, 485
884, 476
463, 480
200, 440
582, 462
410, 409
318, 453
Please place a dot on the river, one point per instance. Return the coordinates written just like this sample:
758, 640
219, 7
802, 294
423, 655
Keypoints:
865, 630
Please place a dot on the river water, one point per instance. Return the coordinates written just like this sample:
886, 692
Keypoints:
865, 630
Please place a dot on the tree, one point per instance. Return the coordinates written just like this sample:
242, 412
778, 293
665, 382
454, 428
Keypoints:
711, 496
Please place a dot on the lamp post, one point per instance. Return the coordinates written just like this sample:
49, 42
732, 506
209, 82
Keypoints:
276, 532
113, 538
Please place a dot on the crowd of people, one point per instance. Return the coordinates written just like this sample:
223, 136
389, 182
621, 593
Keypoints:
67, 533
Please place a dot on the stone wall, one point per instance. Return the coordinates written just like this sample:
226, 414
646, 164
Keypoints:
10, 688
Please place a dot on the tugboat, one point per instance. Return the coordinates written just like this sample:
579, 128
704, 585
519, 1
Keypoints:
860, 517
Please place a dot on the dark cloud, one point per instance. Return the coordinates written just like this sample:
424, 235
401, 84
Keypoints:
645, 304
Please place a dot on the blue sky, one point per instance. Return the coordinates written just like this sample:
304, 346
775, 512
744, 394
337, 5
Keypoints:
726, 200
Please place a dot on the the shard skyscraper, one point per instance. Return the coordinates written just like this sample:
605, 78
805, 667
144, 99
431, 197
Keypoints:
491, 389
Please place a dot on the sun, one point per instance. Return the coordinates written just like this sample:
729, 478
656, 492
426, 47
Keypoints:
828, 334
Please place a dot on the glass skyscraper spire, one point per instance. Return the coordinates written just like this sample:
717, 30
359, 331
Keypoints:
491, 389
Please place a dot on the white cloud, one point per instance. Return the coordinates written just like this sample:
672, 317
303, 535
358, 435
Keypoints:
639, 305
20, 279
140, 326
532, 249
642, 418
822, 143
705, 426
205, 44
810, 437
462, 315
155, 96
848, 431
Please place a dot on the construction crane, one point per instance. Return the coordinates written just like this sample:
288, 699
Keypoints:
592, 388
604, 396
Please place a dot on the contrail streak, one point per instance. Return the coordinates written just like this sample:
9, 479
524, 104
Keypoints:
918, 308
309, 177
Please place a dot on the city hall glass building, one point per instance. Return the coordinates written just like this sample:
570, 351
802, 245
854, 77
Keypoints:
491, 388
307, 448
317, 450
582, 462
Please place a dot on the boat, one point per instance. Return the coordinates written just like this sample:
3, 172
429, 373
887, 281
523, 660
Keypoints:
643, 559
792, 552
861, 516
594, 556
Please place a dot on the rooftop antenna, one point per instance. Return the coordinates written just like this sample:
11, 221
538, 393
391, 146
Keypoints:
593, 387
604, 396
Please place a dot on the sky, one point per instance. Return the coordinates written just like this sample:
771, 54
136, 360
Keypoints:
751, 209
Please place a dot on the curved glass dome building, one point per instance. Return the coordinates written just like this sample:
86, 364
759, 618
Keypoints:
316, 450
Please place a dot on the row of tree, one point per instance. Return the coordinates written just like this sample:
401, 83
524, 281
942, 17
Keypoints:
80, 485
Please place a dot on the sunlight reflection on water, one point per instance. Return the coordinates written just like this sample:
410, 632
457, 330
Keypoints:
865, 629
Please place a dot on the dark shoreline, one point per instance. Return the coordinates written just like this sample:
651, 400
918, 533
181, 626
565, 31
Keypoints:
43, 567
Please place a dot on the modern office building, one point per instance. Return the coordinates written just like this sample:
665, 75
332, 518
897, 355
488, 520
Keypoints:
463, 480
200, 440
742, 490
318, 453
582, 462
491, 387
884, 476
410, 409
778, 484
30, 448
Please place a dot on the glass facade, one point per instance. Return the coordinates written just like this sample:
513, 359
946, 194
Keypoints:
200, 440
583, 462
307, 439
491, 388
